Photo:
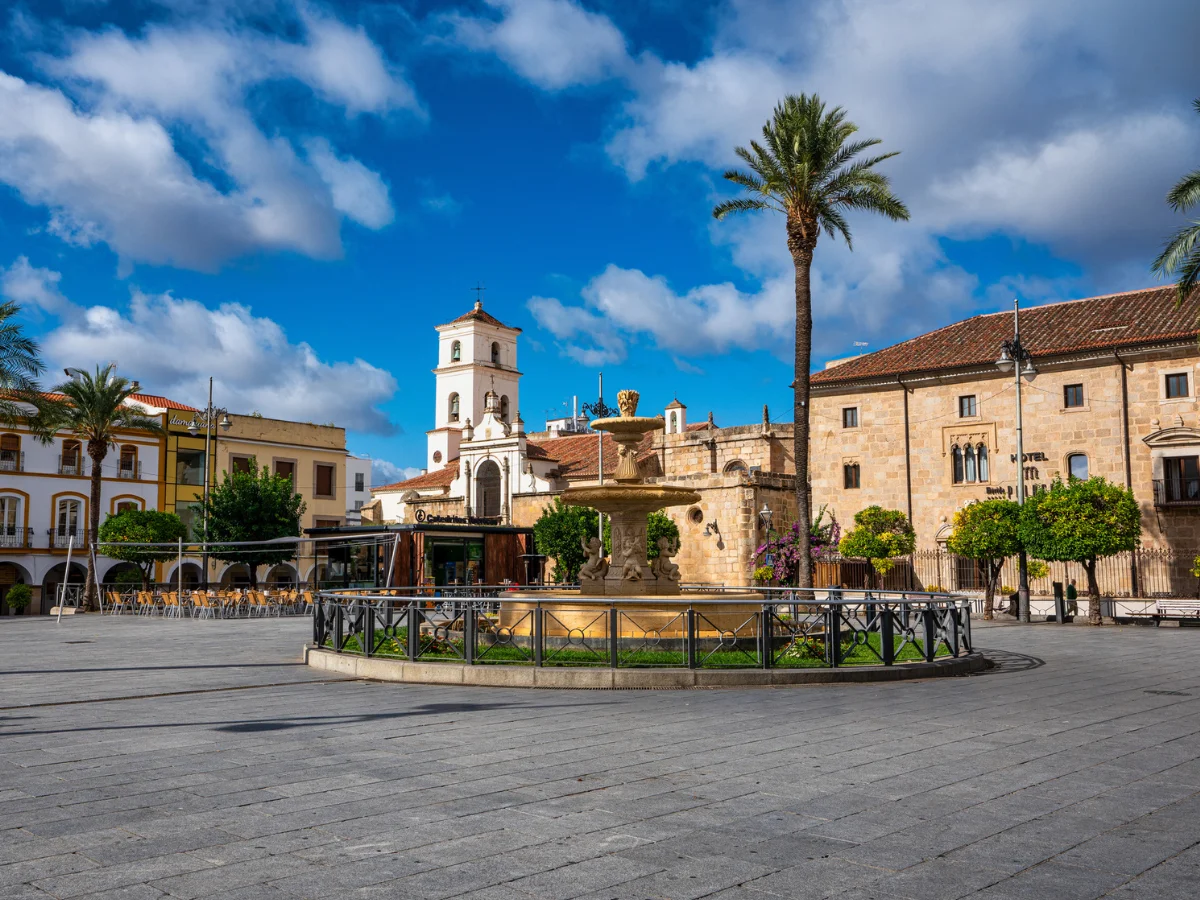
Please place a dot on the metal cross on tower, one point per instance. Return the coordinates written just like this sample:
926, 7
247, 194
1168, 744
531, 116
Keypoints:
479, 289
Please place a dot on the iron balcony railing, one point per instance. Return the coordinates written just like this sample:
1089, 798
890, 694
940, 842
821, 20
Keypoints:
70, 465
765, 628
15, 537
129, 470
12, 460
1177, 492
60, 538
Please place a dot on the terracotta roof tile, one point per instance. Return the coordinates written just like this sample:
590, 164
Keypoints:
1098, 323
576, 454
479, 315
161, 402
437, 478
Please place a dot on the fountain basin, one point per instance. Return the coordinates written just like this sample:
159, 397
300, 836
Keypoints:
630, 498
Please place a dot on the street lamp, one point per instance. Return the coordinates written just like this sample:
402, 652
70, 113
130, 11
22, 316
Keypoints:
764, 516
210, 414
599, 410
1015, 358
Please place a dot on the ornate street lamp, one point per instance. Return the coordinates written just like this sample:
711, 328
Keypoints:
210, 414
599, 410
1015, 358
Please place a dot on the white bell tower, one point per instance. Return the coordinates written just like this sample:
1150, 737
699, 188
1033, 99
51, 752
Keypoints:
477, 353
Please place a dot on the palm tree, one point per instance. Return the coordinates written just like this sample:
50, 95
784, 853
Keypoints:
93, 408
19, 365
1180, 259
808, 171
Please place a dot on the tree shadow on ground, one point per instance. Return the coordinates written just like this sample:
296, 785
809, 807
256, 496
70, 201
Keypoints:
1006, 662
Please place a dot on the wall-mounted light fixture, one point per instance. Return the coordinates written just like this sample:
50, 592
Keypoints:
710, 528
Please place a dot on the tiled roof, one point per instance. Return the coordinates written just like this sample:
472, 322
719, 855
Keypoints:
161, 402
479, 315
437, 478
576, 454
1098, 323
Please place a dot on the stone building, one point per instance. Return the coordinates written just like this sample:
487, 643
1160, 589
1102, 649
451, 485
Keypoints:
485, 468
928, 425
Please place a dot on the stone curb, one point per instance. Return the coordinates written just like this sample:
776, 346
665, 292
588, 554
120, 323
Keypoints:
399, 670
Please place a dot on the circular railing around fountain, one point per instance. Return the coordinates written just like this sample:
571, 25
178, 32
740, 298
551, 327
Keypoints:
729, 628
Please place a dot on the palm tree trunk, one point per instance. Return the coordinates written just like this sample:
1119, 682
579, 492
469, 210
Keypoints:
97, 450
801, 247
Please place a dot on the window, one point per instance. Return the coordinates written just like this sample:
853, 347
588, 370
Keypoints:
326, 523
851, 475
735, 467
189, 466
128, 464
360, 482
241, 464
69, 517
286, 468
10, 521
1077, 465
495, 353
72, 458
969, 464
456, 351
453, 408
1177, 385
326, 476
982, 454
126, 505
850, 417
1073, 396
1181, 478
358, 504
504, 408
956, 459
10, 453
188, 517
967, 408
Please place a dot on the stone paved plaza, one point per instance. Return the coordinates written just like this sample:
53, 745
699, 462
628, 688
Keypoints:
144, 759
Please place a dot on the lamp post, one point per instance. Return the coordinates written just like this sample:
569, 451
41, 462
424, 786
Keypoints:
210, 414
599, 410
1015, 358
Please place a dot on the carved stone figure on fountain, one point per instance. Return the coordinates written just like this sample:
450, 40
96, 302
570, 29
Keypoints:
631, 569
662, 568
592, 572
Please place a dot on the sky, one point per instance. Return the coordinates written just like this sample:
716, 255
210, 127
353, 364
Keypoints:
289, 196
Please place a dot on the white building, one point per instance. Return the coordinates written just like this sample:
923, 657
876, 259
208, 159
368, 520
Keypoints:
357, 490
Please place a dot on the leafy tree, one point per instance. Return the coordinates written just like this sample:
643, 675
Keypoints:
19, 365
987, 531
785, 548
558, 533
18, 597
142, 526
1082, 521
1180, 259
253, 506
93, 408
879, 536
807, 169
658, 525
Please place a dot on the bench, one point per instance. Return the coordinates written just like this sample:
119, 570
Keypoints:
1175, 608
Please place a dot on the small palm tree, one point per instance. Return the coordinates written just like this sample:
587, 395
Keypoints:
93, 408
19, 365
808, 171
1180, 259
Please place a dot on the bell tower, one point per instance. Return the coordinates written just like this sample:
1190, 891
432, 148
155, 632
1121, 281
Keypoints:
477, 353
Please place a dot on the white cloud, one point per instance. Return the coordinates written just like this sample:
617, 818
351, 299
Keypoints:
172, 345
553, 43
34, 287
148, 144
384, 472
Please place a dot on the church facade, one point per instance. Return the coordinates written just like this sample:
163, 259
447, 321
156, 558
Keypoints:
485, 468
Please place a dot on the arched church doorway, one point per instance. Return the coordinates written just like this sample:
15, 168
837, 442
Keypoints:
487, 489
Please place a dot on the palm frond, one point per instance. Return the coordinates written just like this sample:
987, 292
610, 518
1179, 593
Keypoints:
1180, 260
736, 205
1186, 192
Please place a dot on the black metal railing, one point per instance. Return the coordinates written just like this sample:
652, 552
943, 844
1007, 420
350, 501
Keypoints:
14, 537
1177, 492
129, 470
12, 460
70, 465
773, 628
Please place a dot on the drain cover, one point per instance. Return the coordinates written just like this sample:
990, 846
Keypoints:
1169, 693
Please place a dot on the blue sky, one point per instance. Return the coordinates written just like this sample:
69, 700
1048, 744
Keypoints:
289, 196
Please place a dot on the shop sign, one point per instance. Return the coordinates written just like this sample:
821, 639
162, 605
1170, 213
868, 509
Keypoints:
1029, 457
425, 518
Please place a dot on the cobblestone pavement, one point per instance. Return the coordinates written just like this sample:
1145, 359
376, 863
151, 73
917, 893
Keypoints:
199, 759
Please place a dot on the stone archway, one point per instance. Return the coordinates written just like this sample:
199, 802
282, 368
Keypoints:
10, 574
487, 489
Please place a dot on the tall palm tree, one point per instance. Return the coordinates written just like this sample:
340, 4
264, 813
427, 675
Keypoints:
1180, 259
93, 408
806, 168
19, 365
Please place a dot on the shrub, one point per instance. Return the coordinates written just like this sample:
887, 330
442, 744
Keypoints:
19, 596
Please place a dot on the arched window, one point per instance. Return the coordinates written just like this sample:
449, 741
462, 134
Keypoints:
495, 353
1077, 465
983, 462
128, 466
969, 463
453, 410
10, 453
456, 351
72, 459
956, 459
487, 489
504, 407
126, 506
11, 521
736, 467
674, 423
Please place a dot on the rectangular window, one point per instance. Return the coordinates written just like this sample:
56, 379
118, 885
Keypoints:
850, 417
1181, 479
241, 464
358, 504
325, 480
850, 475
966, 407
360, 482
189, 467
1177, 386
1073, 396
326, 523
287, 469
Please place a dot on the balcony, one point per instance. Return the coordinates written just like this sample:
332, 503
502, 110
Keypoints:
14, 537
1174, 493
131, 470
12, 460
60, 538
70, 465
